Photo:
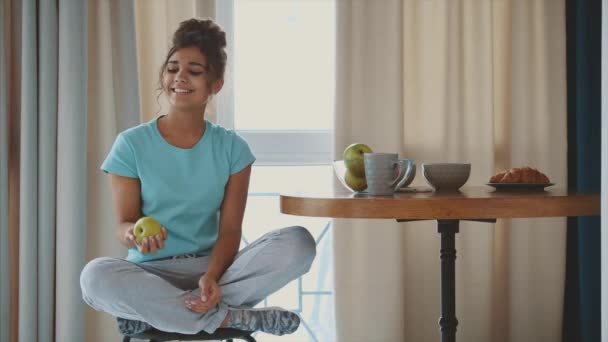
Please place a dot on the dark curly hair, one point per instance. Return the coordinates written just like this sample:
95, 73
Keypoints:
208, 37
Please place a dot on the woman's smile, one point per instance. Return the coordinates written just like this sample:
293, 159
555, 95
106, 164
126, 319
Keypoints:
181, 91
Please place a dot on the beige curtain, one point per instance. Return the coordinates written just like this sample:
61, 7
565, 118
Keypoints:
368, 255
459, 80
113, 106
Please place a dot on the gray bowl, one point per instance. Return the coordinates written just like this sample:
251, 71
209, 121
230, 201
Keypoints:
446, 176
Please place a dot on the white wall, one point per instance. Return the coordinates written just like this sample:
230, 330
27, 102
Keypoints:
604, 170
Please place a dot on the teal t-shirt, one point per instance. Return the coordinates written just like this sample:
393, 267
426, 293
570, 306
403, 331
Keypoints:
181, 188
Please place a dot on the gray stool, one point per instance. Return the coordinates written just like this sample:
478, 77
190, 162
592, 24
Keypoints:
222, 334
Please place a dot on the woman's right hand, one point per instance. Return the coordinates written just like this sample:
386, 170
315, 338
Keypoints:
149, 245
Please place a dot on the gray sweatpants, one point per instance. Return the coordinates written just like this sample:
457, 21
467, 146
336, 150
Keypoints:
155, 291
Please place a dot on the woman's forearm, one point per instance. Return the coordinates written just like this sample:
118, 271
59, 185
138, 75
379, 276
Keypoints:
223, 253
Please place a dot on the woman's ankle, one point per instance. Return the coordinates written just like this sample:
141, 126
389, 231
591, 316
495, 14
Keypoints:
225, 321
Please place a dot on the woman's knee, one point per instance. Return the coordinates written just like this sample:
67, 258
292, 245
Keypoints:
302, 245
97, 275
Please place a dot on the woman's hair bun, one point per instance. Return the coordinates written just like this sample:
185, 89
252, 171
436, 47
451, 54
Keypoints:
199, 31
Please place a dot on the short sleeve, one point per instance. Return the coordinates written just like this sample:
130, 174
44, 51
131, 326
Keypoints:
121, 159
240, 154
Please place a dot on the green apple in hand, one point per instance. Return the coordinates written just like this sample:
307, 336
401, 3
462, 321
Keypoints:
145, 227
354, 182
353, 158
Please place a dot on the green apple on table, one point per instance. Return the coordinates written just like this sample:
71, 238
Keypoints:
354, 182
355, 166
145, 227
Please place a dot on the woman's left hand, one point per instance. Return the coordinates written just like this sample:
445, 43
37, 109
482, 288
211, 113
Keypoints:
209, 298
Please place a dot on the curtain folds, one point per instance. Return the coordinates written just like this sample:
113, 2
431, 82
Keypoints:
71, 194
52, 40
39, 73
456, 81
10, 135
368, 254
47, 170
5, 257
53, 131
113, 106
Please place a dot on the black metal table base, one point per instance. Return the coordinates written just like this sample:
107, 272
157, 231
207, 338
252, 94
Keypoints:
448, 321
448, 229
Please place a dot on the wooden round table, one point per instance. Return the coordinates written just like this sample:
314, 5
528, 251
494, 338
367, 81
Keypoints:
481, 203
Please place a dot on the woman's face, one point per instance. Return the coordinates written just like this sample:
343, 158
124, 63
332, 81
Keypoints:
187, 80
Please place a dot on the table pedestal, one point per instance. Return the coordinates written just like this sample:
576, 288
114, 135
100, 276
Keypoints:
448, 321
448, 230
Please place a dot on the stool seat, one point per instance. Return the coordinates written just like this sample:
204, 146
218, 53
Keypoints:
222, 334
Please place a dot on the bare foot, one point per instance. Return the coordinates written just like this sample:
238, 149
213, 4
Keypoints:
224, 322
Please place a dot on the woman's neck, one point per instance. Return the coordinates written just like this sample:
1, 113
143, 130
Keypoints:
185, 123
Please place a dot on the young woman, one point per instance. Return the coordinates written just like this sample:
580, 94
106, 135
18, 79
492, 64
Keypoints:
192, 176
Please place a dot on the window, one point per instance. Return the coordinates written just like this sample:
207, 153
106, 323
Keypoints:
279, 95
284, 65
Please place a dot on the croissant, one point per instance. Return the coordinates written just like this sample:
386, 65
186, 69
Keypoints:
497, 177
523, 174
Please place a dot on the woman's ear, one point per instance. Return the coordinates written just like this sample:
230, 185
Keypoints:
217, 86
